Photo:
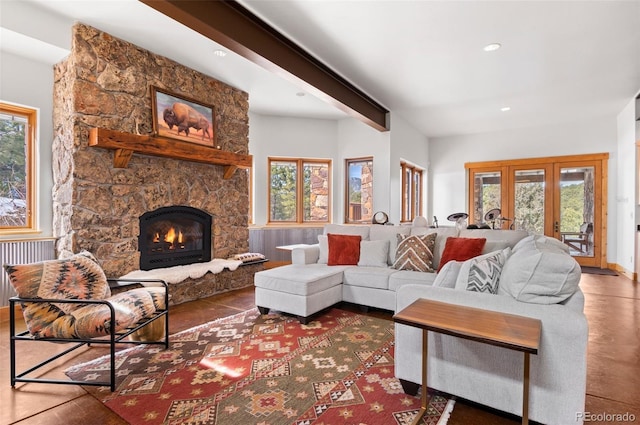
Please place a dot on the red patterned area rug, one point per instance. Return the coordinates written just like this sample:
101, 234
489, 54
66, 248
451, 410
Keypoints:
267, 370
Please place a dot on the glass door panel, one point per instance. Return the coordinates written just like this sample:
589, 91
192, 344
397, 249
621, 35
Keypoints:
529, 201
486, 195
577, 212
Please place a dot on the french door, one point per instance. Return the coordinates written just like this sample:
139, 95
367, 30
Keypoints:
562, 197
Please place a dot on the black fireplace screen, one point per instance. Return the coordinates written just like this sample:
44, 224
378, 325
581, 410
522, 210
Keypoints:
172, 236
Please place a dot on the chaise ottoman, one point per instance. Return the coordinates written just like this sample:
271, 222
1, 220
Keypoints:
301, 290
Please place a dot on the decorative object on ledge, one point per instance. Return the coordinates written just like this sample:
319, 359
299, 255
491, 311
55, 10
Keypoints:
187, 115
125, 144
380, 217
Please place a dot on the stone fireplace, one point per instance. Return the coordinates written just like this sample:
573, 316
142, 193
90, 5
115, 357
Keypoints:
174, 236
106, 83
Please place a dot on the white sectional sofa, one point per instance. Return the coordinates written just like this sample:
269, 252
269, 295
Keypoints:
539, 279
309, 285
536, 278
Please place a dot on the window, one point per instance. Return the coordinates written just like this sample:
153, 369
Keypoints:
299, 191
411, 191
359, 190
17, 168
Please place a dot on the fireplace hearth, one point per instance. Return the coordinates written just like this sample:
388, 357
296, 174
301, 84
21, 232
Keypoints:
173, 236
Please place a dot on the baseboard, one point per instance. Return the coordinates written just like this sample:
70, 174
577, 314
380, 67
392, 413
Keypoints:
617, 267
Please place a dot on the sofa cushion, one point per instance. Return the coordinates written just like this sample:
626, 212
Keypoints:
344, 250
389, 233
415, 253
447, 276
347, 229
542, 241
483, 273
405, 277
442, 234
540, 272
369, 277
300, 279
374, 253
323, 246
461, 249
496, 239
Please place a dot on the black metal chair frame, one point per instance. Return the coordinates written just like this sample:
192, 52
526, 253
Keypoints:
112, 339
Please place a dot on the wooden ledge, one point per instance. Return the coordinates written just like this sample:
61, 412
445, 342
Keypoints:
125, 144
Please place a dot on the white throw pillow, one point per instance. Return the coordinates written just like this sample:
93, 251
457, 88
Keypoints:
374, 253
446, 278
323, 243
389, 233
542, 274
483, 273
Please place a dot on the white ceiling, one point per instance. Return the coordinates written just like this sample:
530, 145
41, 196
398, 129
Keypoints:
423, 60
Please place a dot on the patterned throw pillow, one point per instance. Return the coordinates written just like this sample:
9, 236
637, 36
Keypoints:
77, 277
484, 273
415, 253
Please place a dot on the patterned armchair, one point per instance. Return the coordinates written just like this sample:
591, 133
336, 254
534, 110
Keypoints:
70, 301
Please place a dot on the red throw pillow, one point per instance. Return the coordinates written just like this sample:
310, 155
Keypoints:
461, 249
344, 250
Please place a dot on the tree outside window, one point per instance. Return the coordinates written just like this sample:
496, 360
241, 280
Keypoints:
359, 190
17, 142
299, 190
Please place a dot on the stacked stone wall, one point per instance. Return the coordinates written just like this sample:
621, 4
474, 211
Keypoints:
106, 82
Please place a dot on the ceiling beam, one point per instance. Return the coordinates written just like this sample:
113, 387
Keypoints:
236, 28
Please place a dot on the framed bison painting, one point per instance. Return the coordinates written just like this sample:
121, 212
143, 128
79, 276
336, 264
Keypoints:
182, 118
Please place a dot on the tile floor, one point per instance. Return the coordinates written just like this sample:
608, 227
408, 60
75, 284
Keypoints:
613, 382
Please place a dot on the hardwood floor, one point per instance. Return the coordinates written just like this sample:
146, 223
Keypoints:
613, 382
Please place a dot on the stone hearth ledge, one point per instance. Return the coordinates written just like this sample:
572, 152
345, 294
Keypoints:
201, 280
177, 274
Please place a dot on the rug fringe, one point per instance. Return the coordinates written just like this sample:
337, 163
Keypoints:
447, 412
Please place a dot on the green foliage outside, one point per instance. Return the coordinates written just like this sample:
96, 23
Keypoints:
571, 207
13, 176
530, 205
283, 191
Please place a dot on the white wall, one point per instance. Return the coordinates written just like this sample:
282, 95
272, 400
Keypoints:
30, 83
288, 137
449, 154
357, 140
407, 144
625, 199
339, 140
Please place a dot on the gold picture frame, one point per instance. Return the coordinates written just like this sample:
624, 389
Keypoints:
182, 118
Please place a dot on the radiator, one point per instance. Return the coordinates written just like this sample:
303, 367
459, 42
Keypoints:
22, 252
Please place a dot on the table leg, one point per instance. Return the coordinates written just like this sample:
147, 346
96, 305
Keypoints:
424, 403
525, 395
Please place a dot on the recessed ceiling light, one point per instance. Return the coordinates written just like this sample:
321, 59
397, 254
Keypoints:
492, 47
220, 53
300, 94
505, 108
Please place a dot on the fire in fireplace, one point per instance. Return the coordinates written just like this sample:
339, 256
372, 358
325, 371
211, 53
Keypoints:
173, 236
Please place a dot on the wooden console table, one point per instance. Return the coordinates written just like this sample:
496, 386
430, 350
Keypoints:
490, 327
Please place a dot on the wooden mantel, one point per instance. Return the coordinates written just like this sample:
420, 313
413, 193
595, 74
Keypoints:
125, 144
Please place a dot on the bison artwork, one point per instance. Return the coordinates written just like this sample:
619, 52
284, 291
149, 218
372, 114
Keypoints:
185, 117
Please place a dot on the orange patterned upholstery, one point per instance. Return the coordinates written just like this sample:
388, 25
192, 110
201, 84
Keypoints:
79, 277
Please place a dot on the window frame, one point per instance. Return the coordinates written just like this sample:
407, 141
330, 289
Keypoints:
31, 172
416, 205
347, 215
300, 163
